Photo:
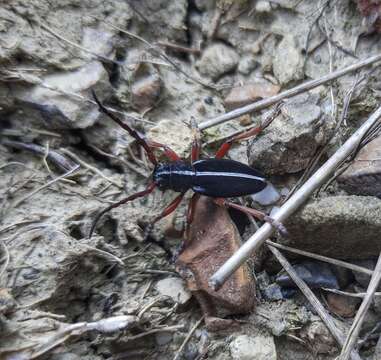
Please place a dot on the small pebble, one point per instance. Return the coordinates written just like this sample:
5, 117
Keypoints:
174, 288
217, 60
316, 274
342, 305
243, 95
268, 196
258, 347
262, 6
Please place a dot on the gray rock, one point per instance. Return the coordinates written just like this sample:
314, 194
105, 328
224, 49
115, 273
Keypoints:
174, 288
288, 61
217, 60
259, 347
60, 110
172, 133
247, 64
316, 274
272, 292
246, 94
166, 17
291, 140
163, 338
363, 177
140, 86
268, 196
346, 227
361, 278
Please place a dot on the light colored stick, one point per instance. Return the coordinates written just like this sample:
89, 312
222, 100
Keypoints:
314, 301
336, 262
63, 176
354, 331
187, 338
290, 206
259, 105
345, 293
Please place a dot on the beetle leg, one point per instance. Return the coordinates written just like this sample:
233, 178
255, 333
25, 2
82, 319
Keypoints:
191, 207
169, 209
168, 152
225, 147
255, 213
196, 142
145, 192
135, 134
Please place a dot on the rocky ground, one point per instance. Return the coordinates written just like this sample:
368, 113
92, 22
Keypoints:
161, 64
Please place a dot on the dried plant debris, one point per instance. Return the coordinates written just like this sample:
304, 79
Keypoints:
161, 65
212, 238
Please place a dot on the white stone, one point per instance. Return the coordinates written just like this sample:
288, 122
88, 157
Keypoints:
268, 196
262, 6
258, 347
217, 60
288, 61
174, 288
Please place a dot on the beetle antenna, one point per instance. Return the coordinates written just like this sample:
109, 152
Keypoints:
135, 134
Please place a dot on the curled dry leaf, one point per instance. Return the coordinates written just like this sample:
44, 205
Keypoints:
211, 239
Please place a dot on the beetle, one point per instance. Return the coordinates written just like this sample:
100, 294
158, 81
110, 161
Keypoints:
214, 177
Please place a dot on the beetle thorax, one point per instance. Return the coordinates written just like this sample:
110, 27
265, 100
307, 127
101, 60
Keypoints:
176, 176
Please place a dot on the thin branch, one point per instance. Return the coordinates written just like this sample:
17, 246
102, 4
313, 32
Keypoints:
158, 53
314, 301
293, 204
354, 331
262, 104
63, 176
345, 293
336, 262
91, 168
71, 43
7, 258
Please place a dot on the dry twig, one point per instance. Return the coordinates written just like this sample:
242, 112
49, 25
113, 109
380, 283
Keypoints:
63, 176
7, 258
345, 293
158, 53
336, 262
262, 104
290, 206
71, 43
314, 301
354, 331
91, 168
187, 338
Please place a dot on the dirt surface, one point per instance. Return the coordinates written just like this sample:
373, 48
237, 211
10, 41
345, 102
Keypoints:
160, 64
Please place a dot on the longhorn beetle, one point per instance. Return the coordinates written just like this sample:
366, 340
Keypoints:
215, 177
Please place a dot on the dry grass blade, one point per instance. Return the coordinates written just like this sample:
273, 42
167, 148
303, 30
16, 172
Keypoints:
336, 262
91, 168
7, 258
71, 43
187, 338
345, 293
158, 53
314, 301
18, 202
354, 331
